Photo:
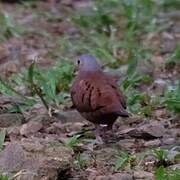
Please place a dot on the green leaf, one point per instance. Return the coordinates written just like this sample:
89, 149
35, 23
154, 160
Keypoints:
132, 66
160, 173
174, 174
172, 98
31, 72
122, 160
2, 138
2, 177
160, 154
73, 141
5, 86
8, 29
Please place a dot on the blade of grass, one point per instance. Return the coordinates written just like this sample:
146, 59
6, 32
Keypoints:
34, 87
2, 138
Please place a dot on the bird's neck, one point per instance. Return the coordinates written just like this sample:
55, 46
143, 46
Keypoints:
90, 70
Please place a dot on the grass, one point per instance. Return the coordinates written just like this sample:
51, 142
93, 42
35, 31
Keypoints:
174, 58
162, 173
172, 98
111, 30
80, 161
161, 156
2, 177
8, 28
52, 85
2, 139
73, 141
116, 32
125, 160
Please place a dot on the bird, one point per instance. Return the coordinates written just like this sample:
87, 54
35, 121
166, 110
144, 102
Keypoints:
96, 96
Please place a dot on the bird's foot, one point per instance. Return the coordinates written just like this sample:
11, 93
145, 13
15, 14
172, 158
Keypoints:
99, 140
109, 136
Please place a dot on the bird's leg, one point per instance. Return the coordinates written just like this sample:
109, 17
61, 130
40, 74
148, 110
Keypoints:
97, 134
110, 127
108, 134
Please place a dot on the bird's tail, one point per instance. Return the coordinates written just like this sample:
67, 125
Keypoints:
122, 113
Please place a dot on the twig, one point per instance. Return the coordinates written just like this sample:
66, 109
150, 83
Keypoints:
23, 172
34, 87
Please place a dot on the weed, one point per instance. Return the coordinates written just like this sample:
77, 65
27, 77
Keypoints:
139, 102
2, 138
8, 29
123, 160
174, 58
163, 173
135, 80
6, 87
162, 157
3, 177
29, 4
80, 161
103, 21
52, 84
167, 4
161, 154
172, 98
73, 141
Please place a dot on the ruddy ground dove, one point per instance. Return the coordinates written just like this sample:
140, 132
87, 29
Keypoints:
95, 94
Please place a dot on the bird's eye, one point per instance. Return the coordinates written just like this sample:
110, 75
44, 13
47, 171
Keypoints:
78, 61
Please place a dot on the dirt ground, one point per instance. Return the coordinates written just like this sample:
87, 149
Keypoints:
35, 145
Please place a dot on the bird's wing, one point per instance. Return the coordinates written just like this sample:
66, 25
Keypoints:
97, 93
112, 81
81, 93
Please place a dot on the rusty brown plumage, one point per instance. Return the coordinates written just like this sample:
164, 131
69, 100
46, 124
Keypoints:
95, 94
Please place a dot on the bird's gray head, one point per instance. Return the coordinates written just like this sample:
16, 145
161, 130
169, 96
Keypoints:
88, 62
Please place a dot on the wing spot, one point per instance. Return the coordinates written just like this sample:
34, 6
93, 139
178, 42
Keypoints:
86, 83
99, 92
88, 86
82, 99
90, 94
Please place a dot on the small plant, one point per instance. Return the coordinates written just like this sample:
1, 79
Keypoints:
174, 58
174, 174
138, 102
29, 4
135, 80
161, 156
163, 173
8, 29
103, 22
3, 177
160, 173
98, 17
80, 161
2, 138
124, 159
51, 85
172, 98
6, 87
73, 141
